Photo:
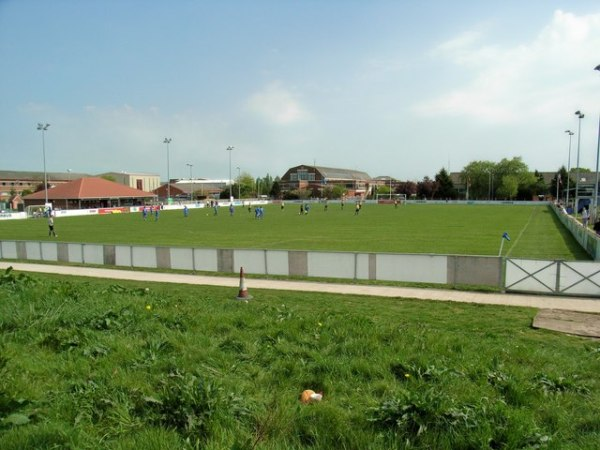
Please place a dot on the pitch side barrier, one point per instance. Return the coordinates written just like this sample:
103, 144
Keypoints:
419, 268
588, 240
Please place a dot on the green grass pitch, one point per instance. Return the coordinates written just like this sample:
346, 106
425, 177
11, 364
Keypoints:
435, 229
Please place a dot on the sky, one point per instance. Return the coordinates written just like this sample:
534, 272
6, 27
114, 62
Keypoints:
393, 88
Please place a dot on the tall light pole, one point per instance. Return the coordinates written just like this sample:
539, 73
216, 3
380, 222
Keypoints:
239, 184
168, 141
594, 218
229, 149
191, 188
69, 180
569, 166
581, 116
43, 127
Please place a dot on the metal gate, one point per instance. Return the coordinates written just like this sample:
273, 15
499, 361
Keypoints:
577, 278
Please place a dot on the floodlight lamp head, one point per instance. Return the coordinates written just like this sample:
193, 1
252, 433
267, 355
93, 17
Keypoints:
167, 141
597, 67
579, 114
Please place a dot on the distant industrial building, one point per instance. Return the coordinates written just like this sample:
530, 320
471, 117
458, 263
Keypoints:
141, 181
315, 178
191, 189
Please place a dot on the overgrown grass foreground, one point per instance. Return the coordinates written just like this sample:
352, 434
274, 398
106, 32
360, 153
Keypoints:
87, 364
440, 229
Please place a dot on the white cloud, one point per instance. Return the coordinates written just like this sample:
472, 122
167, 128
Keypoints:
508, 84
277, 105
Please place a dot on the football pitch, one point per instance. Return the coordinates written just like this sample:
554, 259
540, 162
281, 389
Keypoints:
433, 229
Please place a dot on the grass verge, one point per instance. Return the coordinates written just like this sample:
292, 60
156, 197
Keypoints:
94, 364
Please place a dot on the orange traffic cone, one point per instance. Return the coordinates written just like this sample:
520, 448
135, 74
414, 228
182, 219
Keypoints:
243, 293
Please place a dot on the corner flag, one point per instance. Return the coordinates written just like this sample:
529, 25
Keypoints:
504, 236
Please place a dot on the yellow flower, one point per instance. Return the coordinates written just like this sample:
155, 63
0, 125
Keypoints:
148, 307
407, 375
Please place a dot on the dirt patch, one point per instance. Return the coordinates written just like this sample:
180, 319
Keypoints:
580, 324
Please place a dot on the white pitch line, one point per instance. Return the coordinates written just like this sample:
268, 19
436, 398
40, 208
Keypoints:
534, 211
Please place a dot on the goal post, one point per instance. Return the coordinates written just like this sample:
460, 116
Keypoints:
393, 198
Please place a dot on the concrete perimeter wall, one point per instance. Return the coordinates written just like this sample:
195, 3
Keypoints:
589, 240
440, 269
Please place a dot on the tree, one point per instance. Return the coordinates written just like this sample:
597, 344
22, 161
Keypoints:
383, 190
445, 187
426, 188
408, 188
334, 191
275, 189
508, 187
563, 180
479, 177
297, 194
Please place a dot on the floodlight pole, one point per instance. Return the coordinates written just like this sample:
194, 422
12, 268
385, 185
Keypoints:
581, 116
239, 184
43, 127
594, 218
191, 188
168, 141
569, 167
229, 149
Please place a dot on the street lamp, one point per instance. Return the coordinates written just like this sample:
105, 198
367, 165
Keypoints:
239, 184
43, 127
569, 166
581, 116
229, 149
191, 189
168, 141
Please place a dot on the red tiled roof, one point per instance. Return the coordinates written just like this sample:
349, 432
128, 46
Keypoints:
89, 188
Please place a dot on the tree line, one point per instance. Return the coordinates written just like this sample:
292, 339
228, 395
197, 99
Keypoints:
508, 179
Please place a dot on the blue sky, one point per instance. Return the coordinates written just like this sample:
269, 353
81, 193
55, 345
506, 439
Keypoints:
400, 88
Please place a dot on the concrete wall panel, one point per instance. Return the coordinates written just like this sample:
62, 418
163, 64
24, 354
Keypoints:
483, 270
93, 254
49, 251
253, 261
163, 257
206, 259
9, 249
110, 255
75, 253
298, 263
412, 268
63, 252
334, 265
123, 255
225, 260
277, 262
143, 257
33, 251
182, 258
